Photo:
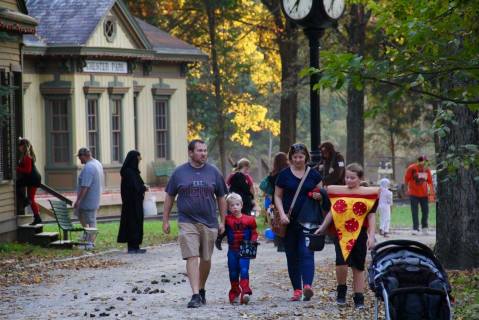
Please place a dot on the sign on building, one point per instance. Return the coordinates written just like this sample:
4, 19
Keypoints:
106, 66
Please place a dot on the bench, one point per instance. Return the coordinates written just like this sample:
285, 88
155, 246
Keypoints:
65, 224
163, 168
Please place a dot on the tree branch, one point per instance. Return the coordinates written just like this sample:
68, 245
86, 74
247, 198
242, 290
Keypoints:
419, 91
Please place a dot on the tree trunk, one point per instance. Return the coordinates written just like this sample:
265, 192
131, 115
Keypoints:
355, 119
287, 40
210, 11
288, 48
392, 147
457, 230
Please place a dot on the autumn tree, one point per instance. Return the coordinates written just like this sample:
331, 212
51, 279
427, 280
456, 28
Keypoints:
224, 95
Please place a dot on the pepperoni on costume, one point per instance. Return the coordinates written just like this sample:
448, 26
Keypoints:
340, 206
351, 225
359, 208
339, 234
350, 245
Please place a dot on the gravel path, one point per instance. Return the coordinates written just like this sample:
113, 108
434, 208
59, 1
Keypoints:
124, 291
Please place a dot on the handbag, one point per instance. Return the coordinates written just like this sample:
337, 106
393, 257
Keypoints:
279, 228
265, 186
315, 242
248, 249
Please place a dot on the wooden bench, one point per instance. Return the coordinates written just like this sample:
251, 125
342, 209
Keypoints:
65, 224
163, 169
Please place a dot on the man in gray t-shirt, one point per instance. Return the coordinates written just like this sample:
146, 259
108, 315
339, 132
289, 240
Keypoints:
89, 189
199, 186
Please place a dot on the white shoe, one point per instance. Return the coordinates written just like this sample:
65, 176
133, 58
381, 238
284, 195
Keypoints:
415, 232
425, 232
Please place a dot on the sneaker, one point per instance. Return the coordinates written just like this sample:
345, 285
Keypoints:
425, 232
136, 251
36, 220
307, 292
415, 232
296, 295
195, 301
203, 296
245, 299
233, 295
358, 299
341, 294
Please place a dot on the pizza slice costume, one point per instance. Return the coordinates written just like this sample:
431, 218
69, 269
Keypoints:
349, 209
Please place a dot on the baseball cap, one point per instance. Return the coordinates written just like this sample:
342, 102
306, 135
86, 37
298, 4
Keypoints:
83, 152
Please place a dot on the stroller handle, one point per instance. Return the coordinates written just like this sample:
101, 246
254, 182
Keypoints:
419, 290
400, 243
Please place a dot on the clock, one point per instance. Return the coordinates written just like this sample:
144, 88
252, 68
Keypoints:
313, 13
297, 10
333, 8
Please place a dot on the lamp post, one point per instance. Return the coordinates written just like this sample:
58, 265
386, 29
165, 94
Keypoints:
314, 16
314, 35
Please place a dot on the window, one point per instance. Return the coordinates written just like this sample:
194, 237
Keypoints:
161, 128
116, 130
135, 118
109, 27
6, 128
92, 126
58, 125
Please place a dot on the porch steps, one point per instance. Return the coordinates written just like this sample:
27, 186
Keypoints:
44, 238
62, 244
25, 232
35, 235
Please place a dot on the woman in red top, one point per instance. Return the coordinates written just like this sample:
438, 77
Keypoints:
28, 177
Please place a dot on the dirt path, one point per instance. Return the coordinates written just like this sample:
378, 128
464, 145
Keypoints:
107, 293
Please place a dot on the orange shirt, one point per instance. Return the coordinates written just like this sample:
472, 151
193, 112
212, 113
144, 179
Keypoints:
417, 181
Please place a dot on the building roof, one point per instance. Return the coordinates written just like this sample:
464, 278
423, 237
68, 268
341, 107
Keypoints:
67, 22
165, 44
70, 23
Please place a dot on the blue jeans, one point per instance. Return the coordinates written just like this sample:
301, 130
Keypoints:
423, 201
300, 259
237, 266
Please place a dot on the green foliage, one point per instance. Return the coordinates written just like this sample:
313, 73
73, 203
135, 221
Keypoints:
425, 49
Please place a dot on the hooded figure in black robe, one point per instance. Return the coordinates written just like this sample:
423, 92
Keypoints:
132, 195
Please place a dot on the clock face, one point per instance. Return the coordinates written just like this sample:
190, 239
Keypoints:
334, 8
297, 9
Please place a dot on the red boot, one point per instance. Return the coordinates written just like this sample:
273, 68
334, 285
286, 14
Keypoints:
245, 291
235, 292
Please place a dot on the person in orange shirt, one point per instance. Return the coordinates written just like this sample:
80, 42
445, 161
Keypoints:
418, 178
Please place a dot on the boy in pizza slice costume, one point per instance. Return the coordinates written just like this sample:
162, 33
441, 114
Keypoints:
352, 212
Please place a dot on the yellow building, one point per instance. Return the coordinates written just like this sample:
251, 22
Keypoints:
96, 76
14, 22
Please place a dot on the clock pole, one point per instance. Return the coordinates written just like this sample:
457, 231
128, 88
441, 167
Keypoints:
314, 35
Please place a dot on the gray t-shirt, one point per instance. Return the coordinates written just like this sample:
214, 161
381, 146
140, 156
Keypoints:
196, 189
92, 177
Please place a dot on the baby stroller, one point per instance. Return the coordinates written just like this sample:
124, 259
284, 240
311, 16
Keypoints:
410, 281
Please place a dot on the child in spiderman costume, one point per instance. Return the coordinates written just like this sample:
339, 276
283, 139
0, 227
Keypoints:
238, 227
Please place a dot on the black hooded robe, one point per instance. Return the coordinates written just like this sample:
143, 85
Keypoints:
132, 195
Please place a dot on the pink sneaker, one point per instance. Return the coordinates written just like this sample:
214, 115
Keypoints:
296, 295
307, 292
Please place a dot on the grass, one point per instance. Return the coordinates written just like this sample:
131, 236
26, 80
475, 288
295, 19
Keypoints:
153, 235
401, 216
465, 290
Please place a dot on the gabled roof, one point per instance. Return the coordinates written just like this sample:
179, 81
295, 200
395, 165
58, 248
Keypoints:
72, 22
67, 22
166, 45
65, 26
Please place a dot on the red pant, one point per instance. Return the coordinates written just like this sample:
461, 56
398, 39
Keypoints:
31, 191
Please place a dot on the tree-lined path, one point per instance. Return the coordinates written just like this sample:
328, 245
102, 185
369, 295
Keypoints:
164, 290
